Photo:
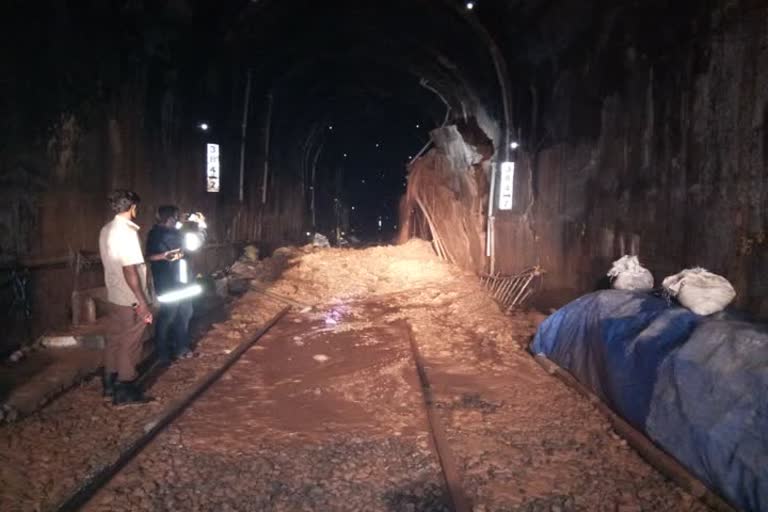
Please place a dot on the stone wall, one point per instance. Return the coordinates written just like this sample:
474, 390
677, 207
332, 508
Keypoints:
661, 152
116, 104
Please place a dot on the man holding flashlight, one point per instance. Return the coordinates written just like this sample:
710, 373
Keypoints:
125, 277
170, 275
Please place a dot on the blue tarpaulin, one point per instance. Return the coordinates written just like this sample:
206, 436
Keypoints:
697, 386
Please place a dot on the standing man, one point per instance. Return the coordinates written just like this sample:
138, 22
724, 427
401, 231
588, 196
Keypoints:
170, 273
125, 276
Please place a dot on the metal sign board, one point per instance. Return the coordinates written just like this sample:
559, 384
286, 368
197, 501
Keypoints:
213, 168
507, 185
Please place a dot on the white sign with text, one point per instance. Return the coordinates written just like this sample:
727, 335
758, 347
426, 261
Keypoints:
213, 168
507, 185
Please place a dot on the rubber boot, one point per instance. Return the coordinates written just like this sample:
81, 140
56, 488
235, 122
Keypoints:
128, 393
108, 381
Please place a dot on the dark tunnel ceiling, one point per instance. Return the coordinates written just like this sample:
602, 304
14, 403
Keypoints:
360, 67
293, 43
301, 50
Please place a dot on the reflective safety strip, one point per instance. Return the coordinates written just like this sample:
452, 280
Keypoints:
181, 294
183, 275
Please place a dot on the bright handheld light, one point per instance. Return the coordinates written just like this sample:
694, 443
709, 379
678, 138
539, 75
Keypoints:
193, 231
192, 241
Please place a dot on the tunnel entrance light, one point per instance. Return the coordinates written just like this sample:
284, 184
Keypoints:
470, 6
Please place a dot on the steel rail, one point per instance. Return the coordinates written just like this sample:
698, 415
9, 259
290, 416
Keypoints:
447, 463
82, 495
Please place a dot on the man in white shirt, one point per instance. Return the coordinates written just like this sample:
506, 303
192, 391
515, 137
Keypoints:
125, 276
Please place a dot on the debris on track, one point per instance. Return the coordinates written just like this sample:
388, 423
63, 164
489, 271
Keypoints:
280, 437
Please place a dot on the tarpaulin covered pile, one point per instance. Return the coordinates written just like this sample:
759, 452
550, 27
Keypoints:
697, 386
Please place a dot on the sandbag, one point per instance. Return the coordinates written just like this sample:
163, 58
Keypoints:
699, 290
319, 240
628, 274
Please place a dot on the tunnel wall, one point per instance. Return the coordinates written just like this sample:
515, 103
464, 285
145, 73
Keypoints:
667, 158
58, 207
128, 119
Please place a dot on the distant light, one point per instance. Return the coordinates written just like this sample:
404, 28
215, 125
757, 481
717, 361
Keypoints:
362, 181
353, 208
309, 234
330, 127
377, 144
514, 145
203, 126
470, 5
345, 155
418, 126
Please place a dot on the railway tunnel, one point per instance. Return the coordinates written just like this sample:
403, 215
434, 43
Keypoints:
401, 293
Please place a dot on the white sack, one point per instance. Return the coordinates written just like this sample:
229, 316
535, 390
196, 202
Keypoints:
628, 274
701, 291
320, 240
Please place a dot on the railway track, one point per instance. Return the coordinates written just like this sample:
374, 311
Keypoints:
455, 496
82, 495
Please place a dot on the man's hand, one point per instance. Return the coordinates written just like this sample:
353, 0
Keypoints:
173, 255
143, 312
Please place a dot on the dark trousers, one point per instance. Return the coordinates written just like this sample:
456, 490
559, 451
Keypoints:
123, 341
172, 329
